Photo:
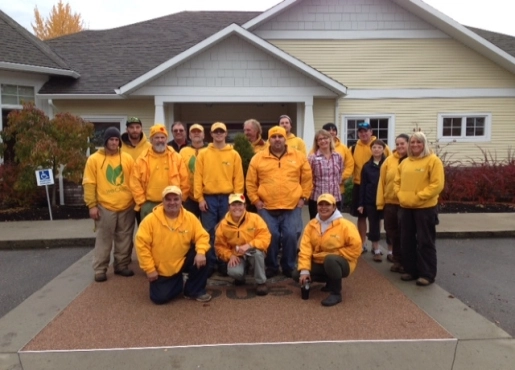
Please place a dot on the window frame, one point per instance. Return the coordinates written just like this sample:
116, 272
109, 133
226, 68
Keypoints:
367, 117
19, 104
463, 138
118, 121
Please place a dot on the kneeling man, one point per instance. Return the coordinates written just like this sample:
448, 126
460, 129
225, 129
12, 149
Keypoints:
329, 249
170, 241
243, 236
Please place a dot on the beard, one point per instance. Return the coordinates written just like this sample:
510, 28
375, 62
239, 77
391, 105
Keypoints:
159, 148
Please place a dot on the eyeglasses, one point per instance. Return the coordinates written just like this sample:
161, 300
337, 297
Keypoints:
178, 130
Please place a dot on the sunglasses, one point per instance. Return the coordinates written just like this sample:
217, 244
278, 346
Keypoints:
178, 130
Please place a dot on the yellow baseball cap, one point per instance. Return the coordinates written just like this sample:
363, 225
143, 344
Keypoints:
326, 198
218, 125
277, 130
172, 189
238, 197
196, 126
158, 129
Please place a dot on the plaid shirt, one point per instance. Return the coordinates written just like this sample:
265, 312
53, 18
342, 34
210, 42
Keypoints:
327, 174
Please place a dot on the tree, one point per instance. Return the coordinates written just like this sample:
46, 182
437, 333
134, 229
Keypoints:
47, 143
60, 22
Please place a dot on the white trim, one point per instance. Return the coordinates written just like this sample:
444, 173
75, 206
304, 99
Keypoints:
263, 17
367, 118
230, 94
38, 69
463, 138
230, 30
232, 99
80, 96
430, 93
351, 35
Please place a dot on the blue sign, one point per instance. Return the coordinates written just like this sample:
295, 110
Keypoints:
45, 177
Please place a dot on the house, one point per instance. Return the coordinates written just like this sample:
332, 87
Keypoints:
398, 64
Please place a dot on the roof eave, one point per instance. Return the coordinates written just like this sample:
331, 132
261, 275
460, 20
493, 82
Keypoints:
38, 69
265, 16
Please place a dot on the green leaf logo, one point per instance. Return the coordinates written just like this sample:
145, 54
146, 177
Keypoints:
115, 175
191, 163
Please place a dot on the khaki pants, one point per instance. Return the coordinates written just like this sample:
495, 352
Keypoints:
117, 227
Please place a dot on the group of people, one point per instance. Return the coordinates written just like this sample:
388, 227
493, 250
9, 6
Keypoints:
189, 200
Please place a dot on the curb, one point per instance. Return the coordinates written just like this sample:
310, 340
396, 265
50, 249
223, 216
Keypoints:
46, 243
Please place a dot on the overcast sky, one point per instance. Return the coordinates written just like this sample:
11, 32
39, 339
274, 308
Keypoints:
493, 15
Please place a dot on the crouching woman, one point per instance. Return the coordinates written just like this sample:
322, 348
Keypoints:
329, 250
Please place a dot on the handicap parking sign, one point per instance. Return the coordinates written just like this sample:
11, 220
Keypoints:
45, 177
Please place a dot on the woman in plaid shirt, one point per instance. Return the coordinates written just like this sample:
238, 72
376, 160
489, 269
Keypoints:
327, 168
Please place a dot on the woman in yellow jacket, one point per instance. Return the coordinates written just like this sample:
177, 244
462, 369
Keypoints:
419, 180
388, 202
329, 250
243, 237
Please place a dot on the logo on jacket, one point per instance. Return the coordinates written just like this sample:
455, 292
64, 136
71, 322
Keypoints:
191, 163
115, 175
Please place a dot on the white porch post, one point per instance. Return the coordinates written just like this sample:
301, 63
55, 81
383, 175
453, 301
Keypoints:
300, 120
309, 124
159, 115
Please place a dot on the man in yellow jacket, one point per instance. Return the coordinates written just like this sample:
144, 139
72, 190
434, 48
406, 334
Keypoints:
362, 153
292, 140
329, 250
134, 141
170, 241
109, 199
243, 237
218, 173
155, 169
253, 131
279, 182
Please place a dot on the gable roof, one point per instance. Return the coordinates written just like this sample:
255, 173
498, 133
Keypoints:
502, 41
22, 51
234, 29
109, 59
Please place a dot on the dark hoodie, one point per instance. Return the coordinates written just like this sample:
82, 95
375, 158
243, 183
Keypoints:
369, 182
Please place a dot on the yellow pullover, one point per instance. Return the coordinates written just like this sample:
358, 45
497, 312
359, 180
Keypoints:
106, 181
259, 144
362, 154
385, 191
419, 181
135, 151
297, 143
162, 243
155, 171
189, 155
218, 171
251, 229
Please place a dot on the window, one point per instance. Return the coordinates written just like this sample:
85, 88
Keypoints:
17, 95
382, 128
101, 124
464, 128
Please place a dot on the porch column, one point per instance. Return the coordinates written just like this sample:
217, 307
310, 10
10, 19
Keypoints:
159, 115
309, 124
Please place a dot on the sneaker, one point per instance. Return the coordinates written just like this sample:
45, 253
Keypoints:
389, 258
262, 289
377, 257
423, 282
331, 300
100, 277
408, 277
124, 272
201, 298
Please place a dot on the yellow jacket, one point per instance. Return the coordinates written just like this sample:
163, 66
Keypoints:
106, 181
297, 143
135, 151
362, 154
385, 191
189, 156
218, 171
162, 244
419, 181
279, 182
155, 171
259, 144
341, 238
251, 229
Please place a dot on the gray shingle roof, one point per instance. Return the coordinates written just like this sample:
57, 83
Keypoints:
502, 41
109, 59
21, 47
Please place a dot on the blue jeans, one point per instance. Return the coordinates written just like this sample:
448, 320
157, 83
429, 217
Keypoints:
217, 205
284, 226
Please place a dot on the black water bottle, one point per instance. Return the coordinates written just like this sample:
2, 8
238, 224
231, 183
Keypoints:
304, 290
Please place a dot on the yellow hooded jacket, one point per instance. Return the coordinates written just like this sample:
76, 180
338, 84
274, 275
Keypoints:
341, 238
419, 181
106, 181
279, 182
135, 151
251, 229
385, 191
155, 171
162, 244
189, 155
218, 171
259, 144
297, 143
362, 154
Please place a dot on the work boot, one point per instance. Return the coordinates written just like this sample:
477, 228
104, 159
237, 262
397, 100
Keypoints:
261, 289
124, 272
332, 300
100, 277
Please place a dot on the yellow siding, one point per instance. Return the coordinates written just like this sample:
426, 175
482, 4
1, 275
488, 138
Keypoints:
396, 64
323, 112
423, 113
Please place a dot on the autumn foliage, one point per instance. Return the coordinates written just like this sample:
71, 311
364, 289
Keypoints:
60, 22
41, 142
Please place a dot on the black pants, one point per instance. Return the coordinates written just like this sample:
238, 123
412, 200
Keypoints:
392, 228
374, 223
418, 235
332, 271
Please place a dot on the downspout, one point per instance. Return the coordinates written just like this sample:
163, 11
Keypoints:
61, 167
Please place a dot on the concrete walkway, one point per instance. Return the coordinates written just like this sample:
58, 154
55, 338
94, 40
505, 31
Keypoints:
475, 342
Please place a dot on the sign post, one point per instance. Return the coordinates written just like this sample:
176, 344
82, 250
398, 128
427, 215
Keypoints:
45, 178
